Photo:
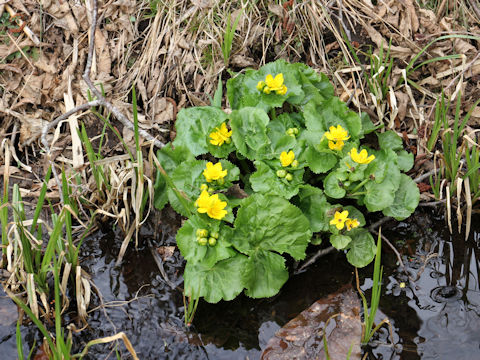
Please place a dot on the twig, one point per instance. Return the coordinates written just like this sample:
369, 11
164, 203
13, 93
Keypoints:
100, 101
86, 77
314, 258
399, 257
433, 203
159, 263
380, 222
426, 175
475, 7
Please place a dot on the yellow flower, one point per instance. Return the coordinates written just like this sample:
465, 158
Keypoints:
336, 136
361, 157
260, 85
212, 205
337, 133
336, 145
339, 219
220, 135
214, 172
287, 159
272, 84
351, 224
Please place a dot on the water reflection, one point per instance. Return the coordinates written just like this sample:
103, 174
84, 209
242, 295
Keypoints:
445, 295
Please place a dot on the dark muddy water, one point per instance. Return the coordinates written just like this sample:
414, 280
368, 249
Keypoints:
435, 317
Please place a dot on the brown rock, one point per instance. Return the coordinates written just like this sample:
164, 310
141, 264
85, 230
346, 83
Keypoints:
302, 337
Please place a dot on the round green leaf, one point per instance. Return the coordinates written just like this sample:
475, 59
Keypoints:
320, 115
406, 199
264, 274
223, 281
314, 206
271, 223
208, 255
249, 131
266, 181
332, 185
339, 241
194, 126
362, 248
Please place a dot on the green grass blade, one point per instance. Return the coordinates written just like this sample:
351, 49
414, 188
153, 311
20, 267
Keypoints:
36, 321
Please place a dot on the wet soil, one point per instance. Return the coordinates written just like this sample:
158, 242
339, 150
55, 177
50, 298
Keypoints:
435, 317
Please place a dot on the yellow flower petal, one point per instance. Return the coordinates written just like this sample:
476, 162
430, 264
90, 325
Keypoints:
337, 133
362, 157
274, 84
351, 224
336, 145
339, 219
211, 205
220, 135
287, 158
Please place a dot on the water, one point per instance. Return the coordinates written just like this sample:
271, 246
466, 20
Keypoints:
435, 317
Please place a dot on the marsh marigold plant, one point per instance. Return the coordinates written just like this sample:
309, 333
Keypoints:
257, 182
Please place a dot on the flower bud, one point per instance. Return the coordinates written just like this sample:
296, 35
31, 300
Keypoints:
221, 181
228, 141
212, 241
202, 233
215, 235
281, 173
204, 187
295, 131
290, 132
202, 241
294, 164
289, 177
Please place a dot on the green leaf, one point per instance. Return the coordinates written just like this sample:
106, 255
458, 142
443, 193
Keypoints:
264, 274
315, 207
406, 199
381, 195
271, 223
390, 140
242, 89
266, 181
339, 241
354, 213
169, 158
319, 161
223, 281
187, 178
332, 185
208, 255
320, 116
367, 125
379, 168
362, 248
279, 140
404, 160
194, 125
313, 84
249, 131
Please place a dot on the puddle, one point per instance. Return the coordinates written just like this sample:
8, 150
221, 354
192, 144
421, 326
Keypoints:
437, 317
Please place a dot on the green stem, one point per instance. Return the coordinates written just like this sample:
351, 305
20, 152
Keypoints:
360, 185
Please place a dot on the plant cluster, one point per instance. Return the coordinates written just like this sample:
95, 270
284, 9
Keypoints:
282, 168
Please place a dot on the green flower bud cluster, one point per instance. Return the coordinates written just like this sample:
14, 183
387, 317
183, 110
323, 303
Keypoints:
284, 174
203, 237
292, 132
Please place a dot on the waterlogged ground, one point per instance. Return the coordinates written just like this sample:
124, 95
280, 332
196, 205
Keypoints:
436, 317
